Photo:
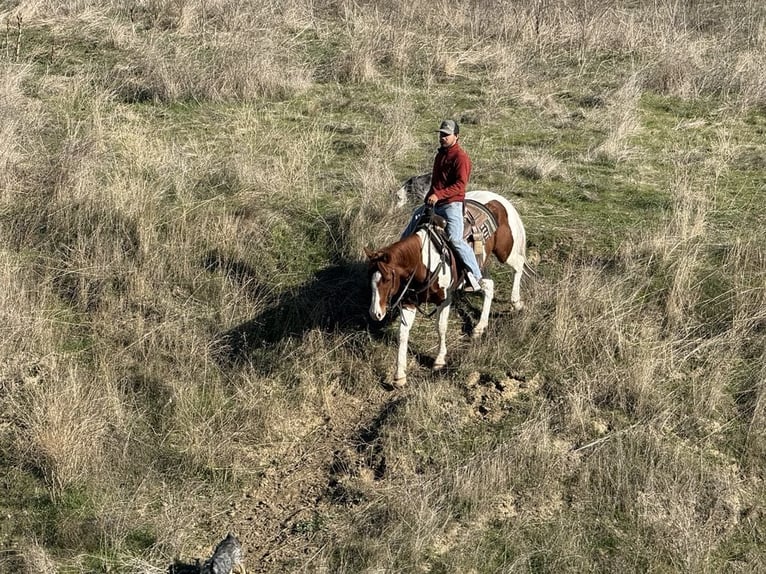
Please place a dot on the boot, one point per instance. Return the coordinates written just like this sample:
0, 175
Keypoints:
473, 284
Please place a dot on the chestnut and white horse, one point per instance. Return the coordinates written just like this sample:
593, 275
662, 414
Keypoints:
413, 271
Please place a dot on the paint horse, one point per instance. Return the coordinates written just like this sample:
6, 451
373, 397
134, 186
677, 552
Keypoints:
414, 271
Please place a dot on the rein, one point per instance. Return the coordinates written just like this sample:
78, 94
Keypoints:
404, 292
430, 279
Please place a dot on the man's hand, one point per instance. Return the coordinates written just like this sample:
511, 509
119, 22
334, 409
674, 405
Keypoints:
431, 199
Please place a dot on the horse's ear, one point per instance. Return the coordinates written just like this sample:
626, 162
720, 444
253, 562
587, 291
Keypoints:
368, 253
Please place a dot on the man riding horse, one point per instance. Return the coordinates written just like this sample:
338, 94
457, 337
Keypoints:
449, 178
415, 271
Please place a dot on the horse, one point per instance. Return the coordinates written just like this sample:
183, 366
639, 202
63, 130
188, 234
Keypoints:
415, 270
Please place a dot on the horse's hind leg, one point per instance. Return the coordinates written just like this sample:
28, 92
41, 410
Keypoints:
488, 291
442, 319
516, 262
505, 252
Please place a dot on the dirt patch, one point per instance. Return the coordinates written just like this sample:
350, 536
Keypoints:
490, 396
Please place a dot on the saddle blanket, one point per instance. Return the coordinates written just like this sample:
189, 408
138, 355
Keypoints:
479, 223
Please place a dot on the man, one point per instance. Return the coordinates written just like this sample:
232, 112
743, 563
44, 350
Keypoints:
451, 170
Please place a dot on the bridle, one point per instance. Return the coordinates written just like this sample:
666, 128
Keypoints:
431, 278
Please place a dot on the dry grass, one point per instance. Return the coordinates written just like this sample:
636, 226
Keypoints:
621, 122
539, 164
55, 413
185, 192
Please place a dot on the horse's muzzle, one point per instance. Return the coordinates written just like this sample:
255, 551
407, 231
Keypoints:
377, 313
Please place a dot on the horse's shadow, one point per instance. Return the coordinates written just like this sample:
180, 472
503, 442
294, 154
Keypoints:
335, 299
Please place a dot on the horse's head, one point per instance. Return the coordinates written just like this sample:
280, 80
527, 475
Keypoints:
384, 281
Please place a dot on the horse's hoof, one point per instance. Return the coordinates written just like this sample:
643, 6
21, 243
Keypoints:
477, 334
518, 305
399, 383
438, 367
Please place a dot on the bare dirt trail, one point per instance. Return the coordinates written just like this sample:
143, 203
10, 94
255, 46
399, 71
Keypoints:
282, 520
278, 520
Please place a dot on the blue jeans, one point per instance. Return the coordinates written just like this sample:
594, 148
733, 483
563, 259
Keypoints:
453, 214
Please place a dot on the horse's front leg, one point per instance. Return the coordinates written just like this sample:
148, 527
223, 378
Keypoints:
442, 318
407, 318
488, 291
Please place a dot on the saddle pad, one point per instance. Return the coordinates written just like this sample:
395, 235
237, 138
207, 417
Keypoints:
478, 219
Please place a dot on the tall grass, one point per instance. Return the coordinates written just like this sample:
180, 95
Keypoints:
186, 189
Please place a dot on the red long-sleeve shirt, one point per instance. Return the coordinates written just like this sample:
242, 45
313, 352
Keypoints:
452, 168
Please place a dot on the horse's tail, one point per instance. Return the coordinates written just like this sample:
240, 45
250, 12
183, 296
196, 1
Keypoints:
528, 270
518, 257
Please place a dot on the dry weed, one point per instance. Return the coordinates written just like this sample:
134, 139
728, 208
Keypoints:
63, 425
620, 122
36, 559
537, 164
18, 111
749, 79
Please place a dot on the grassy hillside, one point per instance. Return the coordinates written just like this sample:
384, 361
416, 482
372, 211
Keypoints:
186, 189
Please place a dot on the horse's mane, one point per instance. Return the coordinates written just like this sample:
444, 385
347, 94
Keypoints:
406, 251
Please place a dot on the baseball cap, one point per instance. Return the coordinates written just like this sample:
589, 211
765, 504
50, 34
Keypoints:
449, 127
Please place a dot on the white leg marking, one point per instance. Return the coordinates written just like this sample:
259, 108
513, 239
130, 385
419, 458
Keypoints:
516, 262
442, 319
405, 324
488, 292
